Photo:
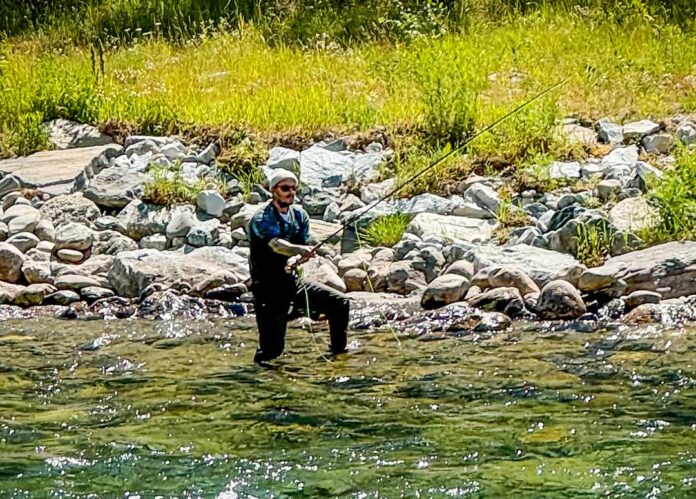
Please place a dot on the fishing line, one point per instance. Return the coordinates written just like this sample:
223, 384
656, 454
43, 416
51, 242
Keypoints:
353, 219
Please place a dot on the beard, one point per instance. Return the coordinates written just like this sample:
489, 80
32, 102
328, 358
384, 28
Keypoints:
284, 204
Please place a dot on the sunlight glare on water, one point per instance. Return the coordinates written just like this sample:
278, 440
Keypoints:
177, 409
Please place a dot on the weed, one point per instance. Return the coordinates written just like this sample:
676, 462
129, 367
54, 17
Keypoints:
168, 187
386, 230
509, 216
594, 243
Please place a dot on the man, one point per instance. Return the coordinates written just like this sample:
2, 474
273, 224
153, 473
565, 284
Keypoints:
279, 241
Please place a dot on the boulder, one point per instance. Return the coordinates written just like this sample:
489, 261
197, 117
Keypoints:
45, 231
24, 241
116, 187
356, 280
560, 300
539, 264
686, 133
23, 211
181, 220
64, 297
25, 223
204, 233
641, 297
462, 268
66, 134
211, 202
669, 269
32, 295
504, 300
429, 261
619, 162
109, 242
633, 214
11, 261
4, 231
74, 236
423, 203
470, 230
565, 170
142, 219
74, 282
9, 183
610, 133
577, 134
510, 277
70, 208
321, 270
608, 189
660, 143
482, 196
401, 278
133, 271
154, 241
639, 129
36, 272
70, 255
443, 290
359, 259
94, 293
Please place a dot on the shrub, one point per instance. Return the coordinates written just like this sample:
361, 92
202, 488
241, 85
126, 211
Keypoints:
386, 230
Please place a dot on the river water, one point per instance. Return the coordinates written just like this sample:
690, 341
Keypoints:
138, 408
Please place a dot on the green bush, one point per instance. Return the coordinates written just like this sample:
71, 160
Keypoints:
386, 230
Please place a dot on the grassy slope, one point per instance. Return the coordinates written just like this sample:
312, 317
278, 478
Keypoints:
434, 85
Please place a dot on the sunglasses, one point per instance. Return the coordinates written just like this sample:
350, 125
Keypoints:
287, 188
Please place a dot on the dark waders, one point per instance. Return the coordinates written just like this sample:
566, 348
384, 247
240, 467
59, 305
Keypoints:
275, 307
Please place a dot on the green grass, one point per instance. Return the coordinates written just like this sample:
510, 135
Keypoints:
675, 199
594, 243
386, 230
509, 216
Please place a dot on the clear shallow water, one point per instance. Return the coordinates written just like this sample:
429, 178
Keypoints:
176, 409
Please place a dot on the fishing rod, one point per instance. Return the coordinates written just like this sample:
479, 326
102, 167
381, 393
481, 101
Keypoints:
437, 162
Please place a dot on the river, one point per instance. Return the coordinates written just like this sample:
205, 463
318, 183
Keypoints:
144, 409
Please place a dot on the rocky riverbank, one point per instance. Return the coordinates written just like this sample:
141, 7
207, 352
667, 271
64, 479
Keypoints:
80, 240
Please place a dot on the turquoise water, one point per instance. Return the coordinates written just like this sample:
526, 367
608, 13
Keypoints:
176, 409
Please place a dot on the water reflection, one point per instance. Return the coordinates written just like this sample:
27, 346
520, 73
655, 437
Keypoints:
176, 409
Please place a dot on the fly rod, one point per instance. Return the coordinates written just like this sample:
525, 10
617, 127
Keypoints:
437, 162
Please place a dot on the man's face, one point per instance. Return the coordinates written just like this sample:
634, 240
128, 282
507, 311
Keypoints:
284, 192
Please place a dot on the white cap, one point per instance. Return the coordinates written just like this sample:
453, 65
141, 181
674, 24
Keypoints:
280, 174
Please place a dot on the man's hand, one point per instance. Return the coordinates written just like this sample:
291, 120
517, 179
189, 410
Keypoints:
286, 248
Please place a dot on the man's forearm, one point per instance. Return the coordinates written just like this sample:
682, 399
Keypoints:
286, 248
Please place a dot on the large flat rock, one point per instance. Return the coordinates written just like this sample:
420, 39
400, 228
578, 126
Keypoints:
470, 230
540, 264
58, 169
669, 269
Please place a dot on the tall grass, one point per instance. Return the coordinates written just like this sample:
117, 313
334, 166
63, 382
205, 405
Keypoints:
674, 196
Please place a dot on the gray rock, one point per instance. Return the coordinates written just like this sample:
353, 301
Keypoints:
372, 192
570, 199
21, 211
282, 157
146, 147
116, 187
71, 208
316, 204
74, 236
321, 270
64, 297
468, 209
510, 277
208, 154
154, 241
620, 162
70, 255
24, 241
74, 282
429, 261
45, 231
26, 223
660, 143
644, 175
565, 170
211, 202
462, 268
577, 134
133, 271
540, 264
401, 278
408, 243
504, 300
359, 259
356, 280
633, 214
243, 216
686, 134
351, 203
669, 269
204, 233
560, 300
450, 227
65, 134
424, 203
331, 212
94, 293
45, 246
641, 297
608, 189
142, 219
33, 295
610, 133
593, 170
9, 183
443, 290
566, 238
11, 261
181, 221
639, 129
134, 139
483, 196
36, 272
109, 242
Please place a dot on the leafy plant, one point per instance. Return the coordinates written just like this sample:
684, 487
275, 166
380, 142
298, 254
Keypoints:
386, 230
594, 243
